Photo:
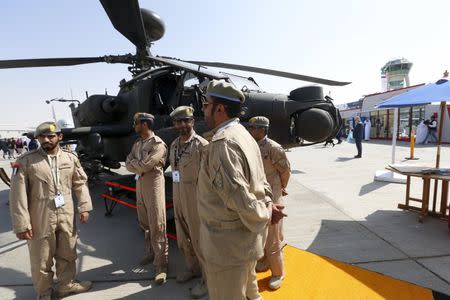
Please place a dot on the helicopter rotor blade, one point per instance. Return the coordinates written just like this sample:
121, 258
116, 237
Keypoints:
64, 61
125, 15
48, 62
271, 72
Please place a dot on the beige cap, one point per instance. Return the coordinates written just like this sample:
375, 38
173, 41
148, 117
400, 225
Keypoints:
143, 116
182, 112
259, 121
47, 128
224, 90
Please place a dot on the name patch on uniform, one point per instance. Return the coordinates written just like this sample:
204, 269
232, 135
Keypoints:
176, 176
59, 200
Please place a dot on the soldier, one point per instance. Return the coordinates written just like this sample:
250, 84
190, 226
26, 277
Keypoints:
234, 199
42, 211
185, 155
278, 171
147, 159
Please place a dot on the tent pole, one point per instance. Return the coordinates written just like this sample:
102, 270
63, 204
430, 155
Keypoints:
441, 128
438, 155
394, 135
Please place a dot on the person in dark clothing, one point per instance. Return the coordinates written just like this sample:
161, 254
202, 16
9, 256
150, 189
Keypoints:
432, 130
339, 135
4, 147
358, 136
33, 144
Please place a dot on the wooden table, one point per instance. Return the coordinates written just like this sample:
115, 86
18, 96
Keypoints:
425, 200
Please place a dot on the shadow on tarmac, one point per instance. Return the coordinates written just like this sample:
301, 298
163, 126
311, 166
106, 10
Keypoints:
385, 237
371, 186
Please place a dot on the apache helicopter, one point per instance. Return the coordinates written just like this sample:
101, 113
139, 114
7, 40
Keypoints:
104, 124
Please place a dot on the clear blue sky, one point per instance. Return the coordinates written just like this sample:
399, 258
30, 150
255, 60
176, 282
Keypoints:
343, 40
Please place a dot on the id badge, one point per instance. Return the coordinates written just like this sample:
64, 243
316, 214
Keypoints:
59, 201
176, 176
137, 177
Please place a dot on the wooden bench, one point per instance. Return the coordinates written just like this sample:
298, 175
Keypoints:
424, 201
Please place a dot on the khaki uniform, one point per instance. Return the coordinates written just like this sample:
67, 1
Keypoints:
278, 171
147, 159
33, 207
232, 197
185, 157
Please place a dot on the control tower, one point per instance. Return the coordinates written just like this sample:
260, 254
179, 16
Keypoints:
395, 74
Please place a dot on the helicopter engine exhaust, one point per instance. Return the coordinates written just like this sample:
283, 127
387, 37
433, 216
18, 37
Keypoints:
100, 109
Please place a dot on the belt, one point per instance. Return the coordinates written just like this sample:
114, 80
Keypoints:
237, 224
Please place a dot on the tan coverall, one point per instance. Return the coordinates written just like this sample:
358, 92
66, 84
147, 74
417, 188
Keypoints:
278, 171
232, 202
147, 159
185, 157
33, 207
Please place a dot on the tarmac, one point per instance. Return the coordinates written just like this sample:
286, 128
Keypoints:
334, 208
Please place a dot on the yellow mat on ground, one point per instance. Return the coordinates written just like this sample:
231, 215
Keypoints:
310, 276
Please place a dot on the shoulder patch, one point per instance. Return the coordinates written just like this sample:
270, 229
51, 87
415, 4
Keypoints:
157, 139
218, 136
27, 154
274, 144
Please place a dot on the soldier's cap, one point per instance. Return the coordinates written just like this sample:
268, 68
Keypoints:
47, 128
259, 121
143, 116
182, 112
224, 90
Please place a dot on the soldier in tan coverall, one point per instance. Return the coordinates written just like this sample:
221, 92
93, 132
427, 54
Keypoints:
42, 211
234, 199
185, 155
278, 171
147, 159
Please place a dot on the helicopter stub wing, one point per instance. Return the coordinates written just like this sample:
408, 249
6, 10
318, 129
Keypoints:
125, 15
270, 72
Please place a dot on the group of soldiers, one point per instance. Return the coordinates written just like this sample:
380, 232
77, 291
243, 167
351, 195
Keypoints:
227, 195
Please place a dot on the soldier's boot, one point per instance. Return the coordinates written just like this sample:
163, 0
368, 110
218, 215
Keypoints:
147, 259
74, 287
261, 266
186, 276
275, 282
47, 295
161, 275
199, 290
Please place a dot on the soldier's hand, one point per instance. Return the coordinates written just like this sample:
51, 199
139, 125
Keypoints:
26, 235
84, 217
284, 192
277, 213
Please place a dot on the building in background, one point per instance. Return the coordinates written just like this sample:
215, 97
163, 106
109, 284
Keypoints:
395, 81
395, 74
12, 131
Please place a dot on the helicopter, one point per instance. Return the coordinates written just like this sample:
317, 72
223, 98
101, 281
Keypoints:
103, 124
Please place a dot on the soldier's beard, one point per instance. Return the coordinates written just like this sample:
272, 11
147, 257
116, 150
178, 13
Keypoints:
185, 131
49, 147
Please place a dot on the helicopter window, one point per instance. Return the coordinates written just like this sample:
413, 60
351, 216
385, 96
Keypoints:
191, 93
191, 82
163, 98
243, 83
